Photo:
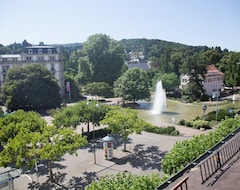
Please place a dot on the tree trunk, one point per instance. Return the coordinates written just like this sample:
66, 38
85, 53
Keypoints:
124, 144
50, 170
88, 127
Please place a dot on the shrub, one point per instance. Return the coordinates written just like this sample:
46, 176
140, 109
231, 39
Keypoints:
186, 151
181, 122
170, 130
197, 124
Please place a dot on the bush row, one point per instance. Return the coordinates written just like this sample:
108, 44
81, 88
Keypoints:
186, 151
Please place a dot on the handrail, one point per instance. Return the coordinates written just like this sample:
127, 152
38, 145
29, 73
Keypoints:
213, 163
197, 160
180, 184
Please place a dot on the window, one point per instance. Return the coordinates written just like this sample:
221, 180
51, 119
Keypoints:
52, 67
49, 50
39, 51
52, 58
29, 58
40, 58
30, 51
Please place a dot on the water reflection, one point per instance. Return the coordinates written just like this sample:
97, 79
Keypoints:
175, 111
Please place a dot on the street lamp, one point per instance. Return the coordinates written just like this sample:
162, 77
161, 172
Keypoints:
217, 95
93, 104
204, 108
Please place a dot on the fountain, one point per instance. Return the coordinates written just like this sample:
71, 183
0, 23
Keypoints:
159, 104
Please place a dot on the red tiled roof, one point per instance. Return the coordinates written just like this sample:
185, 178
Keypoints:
212, 70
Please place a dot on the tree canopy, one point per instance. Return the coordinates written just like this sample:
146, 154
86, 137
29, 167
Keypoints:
26, 138
31, 87
122, 121
133, 85
98, 89
104, 57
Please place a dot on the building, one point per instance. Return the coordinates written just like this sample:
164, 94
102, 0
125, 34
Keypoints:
213, 81
212, 84
47, 56
184, 80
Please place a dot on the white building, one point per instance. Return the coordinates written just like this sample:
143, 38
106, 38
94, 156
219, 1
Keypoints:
212, 83
47, 56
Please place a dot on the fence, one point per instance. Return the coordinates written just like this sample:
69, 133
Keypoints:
219, 157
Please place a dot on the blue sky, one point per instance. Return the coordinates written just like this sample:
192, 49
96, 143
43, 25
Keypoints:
191, 22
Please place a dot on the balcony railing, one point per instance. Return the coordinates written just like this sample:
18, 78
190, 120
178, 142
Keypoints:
235, 147
219, 158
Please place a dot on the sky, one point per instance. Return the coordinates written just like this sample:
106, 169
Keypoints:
191, 22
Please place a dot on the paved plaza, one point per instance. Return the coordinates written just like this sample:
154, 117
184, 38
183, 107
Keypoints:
143, 156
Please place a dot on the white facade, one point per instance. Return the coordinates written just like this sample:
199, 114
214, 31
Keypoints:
47, 56
212, 83
184, 81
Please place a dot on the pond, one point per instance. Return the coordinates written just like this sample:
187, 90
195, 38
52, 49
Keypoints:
176, 110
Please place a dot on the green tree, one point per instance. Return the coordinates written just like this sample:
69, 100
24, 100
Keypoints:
31, 87
122, 121
99, 89
170, 81
133, 85
26, 139
84, 71
105, 58
83, 112
196, 67
231, 69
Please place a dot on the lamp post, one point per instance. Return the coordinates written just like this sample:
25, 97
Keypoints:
93, 104
204, 108
218, 94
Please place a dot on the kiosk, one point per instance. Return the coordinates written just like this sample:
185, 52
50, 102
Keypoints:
108, 147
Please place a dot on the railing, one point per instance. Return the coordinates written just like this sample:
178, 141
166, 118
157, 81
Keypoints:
181, 184
213, 163
198, 160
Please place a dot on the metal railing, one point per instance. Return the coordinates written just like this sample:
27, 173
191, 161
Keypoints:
182, 184
198, 160
220, 157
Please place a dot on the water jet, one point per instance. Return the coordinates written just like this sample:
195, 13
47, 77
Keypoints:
160, 101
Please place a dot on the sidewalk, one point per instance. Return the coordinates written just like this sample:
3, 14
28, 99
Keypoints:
75, 172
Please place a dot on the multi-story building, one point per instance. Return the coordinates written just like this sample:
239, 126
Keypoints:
47, 56
213, 81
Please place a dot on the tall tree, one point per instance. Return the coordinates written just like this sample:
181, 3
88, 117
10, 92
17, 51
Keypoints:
31, 87
229, 64
196, 67
105, 57
133, 85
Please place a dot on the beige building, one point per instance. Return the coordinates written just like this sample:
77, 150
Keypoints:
213, 81
47, 56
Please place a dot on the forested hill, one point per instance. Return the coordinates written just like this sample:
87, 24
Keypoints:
156, 48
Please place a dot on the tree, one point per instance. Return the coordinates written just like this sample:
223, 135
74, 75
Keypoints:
122, 121
99, 89
105, 58
31, 87
170, 81
83, 112
231, 69
133, 85
196, 67
26, 139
